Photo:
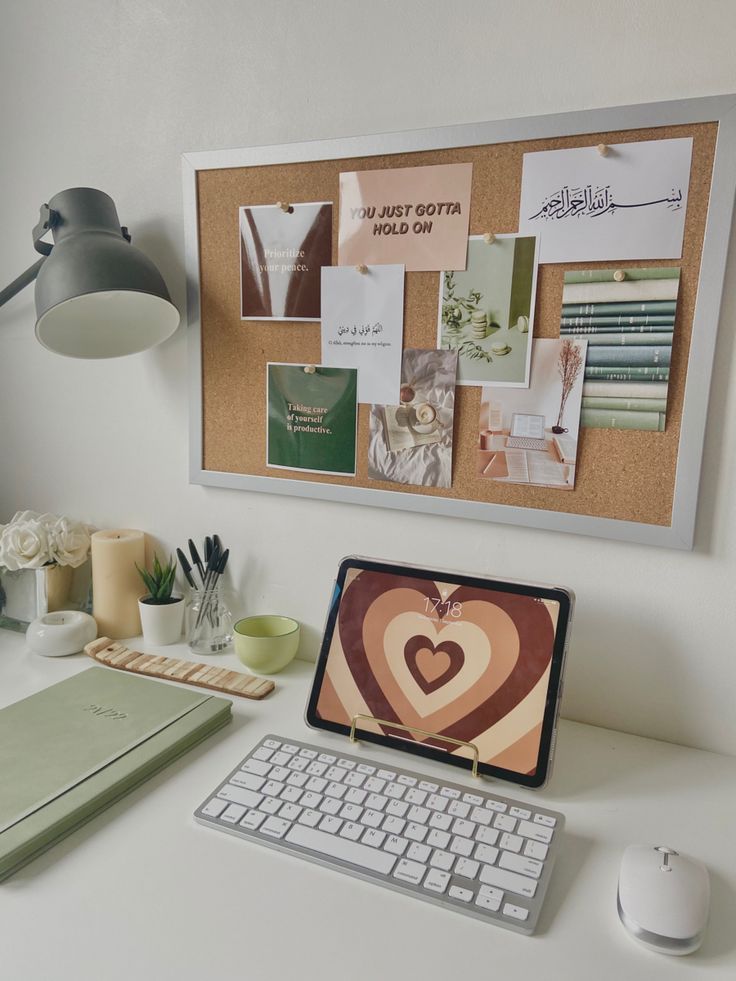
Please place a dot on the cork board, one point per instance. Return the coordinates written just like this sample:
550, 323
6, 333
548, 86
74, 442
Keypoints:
622, 476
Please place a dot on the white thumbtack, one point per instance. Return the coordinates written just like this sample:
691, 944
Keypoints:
362, 268
309, 369
619, 275
489, 238
284, 205
602, 149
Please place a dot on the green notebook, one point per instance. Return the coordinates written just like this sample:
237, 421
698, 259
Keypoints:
72, 749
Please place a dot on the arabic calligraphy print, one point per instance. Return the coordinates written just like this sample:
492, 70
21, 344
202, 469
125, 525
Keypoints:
281, 255
363, 326
417, 216
628, 204
486, 312
312, 418
629, 326
411, 442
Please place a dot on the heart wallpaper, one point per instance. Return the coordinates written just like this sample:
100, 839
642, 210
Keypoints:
469, 663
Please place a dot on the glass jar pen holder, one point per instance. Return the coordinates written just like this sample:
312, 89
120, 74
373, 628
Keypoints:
209, 622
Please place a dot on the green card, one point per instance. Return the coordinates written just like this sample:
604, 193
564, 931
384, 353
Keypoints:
312, 418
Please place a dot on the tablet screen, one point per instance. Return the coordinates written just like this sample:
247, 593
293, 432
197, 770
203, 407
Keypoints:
475, 660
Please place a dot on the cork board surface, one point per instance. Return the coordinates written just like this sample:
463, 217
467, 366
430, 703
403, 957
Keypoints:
624, 475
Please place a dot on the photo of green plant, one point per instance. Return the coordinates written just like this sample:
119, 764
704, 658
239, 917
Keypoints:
486, 311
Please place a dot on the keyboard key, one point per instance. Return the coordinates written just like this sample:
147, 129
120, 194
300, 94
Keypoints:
256, 766
280, 758
298, 763
464, 895
336, 790
504, 822
290, 794
233, 813
316, 768
393, 825
420, 815
376, 802
310, 818
355, 795
372, 819
365, 768
326, 758
351, 830
489, 899
297, 779
438, 839
410, 871
272, 788
519, 863
354, 852
442, 860
458, 809
330, 805
394, 790
487, 836
396, 845
515, 912
374, 785
373, 837
473, 799
317, 784
461, 846
280, 773
269, 805
535, 831
336, 773
479, 816
545, 819
310, 754
239, 795
450, 793
419, 853
247, 780
397, 807
346, 764
416, 832
274, 827
289, 748
486, 853
414, 796
351, 812
467, 868
310, 799
406, 780
536, 849
386, 775
252, 820
431, 788
290, 812
354, 778
520, 812
330, 824
271, 743
436, 803
510, 881
440, 821
463, 828
496, 805
511, 843
215, 807
436, 880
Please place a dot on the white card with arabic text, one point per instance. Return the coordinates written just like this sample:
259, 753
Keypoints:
363, 327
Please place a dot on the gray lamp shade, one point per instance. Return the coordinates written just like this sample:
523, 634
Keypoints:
97, 296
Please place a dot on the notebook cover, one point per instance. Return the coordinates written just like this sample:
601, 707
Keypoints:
160, 723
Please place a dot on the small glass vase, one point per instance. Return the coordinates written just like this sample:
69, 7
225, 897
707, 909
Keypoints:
209, 622
26, 594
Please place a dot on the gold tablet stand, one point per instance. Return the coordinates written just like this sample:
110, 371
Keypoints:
420, 732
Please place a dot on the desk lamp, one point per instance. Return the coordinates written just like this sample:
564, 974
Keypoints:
97, 296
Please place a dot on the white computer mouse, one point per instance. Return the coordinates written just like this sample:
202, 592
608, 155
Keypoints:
663, 898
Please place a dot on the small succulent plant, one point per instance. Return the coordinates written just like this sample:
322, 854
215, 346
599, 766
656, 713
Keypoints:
159, 582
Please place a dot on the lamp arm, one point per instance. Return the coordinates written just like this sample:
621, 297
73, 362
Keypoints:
21, 282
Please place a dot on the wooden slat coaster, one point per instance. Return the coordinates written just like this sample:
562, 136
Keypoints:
211, 676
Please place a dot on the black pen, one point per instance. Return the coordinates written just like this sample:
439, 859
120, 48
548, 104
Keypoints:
196, 559
186, 568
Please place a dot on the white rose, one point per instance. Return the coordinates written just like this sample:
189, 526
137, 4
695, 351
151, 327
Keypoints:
69, 542
22, 517
24, 545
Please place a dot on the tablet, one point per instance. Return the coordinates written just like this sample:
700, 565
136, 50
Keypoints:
465, 658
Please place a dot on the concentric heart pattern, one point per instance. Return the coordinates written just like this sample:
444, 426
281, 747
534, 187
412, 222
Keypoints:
468, 663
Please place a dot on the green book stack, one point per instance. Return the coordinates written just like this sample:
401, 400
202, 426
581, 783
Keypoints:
71, 750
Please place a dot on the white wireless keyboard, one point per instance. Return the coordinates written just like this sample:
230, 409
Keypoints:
473, 852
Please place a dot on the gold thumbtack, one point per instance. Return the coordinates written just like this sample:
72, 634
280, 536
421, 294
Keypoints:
619, 275
489, 238
602, 149
362, 268
284, 205
309, 369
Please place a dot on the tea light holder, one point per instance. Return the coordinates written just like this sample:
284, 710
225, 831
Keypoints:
61, 633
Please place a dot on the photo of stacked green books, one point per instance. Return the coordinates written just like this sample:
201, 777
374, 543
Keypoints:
629, 325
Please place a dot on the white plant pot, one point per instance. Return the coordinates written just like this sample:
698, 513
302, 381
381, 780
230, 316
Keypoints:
161, 623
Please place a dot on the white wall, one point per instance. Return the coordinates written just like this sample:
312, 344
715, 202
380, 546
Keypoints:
110, 94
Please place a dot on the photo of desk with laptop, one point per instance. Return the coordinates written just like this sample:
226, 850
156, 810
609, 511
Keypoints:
528, 452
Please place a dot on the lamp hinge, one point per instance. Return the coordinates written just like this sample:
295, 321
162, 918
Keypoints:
47, 219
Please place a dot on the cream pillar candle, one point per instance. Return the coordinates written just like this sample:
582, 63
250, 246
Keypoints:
116, 584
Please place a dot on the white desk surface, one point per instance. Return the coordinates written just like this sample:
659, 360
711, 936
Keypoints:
142, 892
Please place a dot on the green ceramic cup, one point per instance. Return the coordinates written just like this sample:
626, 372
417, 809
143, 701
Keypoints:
266, 643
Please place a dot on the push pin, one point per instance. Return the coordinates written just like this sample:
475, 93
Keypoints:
602, 149
285, 207
489, 238
309, 369
362, 268
619, 275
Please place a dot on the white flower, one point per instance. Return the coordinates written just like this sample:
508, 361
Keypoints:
69, 541
24, 545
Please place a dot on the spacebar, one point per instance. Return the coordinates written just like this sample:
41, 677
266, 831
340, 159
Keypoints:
347, 851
